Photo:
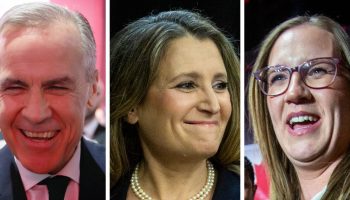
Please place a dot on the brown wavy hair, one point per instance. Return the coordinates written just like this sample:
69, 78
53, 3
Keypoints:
135, 54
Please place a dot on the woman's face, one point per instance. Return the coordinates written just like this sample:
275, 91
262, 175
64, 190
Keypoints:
187, 107
326, 136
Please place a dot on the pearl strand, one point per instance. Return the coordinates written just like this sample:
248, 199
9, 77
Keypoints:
136, 188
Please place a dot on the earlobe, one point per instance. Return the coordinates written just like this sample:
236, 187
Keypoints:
132, 117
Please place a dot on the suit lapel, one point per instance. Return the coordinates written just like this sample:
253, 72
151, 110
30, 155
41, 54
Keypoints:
6, 158
17, 185
92, 178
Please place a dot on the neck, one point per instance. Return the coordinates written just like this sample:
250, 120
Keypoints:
314, 180
182, 181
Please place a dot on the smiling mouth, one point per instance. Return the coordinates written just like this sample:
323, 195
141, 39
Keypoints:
46, 135
302, 121
208, 123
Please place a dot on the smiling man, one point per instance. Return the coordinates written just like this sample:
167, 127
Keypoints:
47, 80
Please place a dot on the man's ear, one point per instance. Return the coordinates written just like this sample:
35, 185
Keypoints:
95, 91
132, 117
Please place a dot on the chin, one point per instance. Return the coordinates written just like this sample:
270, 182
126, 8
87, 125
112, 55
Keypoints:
305, 158
40, 168
209, 151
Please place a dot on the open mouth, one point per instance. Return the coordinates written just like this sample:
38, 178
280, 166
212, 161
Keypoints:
46, 135
302, 121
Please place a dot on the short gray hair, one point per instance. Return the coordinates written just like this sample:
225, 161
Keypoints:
41, 14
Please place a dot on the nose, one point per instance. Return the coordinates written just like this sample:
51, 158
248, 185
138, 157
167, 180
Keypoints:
297, 92
36, 109
209, 102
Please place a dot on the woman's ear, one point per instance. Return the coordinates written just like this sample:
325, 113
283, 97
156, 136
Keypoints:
132, 117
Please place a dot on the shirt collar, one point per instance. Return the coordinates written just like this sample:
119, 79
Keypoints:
71, 170
319, 195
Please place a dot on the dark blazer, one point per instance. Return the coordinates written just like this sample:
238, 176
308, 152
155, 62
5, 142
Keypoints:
227, 186
100, 134
92, 174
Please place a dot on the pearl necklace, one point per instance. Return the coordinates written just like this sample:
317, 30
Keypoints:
138, 191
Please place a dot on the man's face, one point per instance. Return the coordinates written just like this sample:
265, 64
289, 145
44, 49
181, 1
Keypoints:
43, 94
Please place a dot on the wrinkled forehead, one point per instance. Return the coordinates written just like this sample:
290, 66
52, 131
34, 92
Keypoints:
301, 43
52, 31
50, 48
54, 35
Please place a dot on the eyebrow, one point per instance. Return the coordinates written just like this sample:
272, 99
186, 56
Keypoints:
59, 81
10, 81
220, 75
196, 75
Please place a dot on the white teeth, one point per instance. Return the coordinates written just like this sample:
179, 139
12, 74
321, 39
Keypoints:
40, 135
301, 119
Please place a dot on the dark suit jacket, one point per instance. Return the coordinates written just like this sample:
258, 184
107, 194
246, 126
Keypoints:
92, 174
227, 186
100, 134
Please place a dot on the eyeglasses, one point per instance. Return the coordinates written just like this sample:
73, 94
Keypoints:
315, 73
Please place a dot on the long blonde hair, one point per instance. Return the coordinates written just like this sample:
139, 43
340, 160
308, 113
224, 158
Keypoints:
284, 181
136, 52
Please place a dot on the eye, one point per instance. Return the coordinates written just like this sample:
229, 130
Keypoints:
317, 72
277, 78
55, 87
220, 86
320, 70
186, 86
57, 90
12, 90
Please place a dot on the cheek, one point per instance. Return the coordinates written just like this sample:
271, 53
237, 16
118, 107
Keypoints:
70, 112
275, 108
271, 108
333, 106
335, 100
167, 108
176, 104
336, 108
72, 105
10, 107
226, 107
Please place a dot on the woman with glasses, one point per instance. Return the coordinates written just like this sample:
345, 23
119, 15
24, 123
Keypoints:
299, 103
174, 110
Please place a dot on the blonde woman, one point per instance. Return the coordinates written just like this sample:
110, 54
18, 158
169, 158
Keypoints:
298, 101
